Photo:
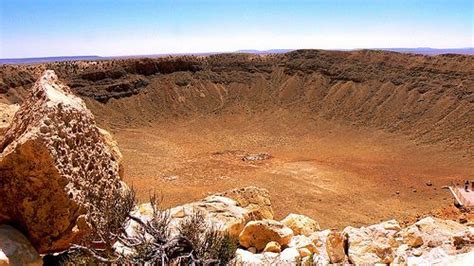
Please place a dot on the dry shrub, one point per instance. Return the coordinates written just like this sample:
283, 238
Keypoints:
197, 243
210, 243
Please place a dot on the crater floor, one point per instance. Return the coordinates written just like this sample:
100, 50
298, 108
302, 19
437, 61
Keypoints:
337, 174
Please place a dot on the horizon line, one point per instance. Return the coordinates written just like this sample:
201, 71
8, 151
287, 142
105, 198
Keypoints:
276, 50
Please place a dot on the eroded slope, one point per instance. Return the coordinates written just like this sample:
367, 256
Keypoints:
428, 98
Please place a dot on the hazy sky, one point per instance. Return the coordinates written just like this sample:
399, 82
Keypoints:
38, 28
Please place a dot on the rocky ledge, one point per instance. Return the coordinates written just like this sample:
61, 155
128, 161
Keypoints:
54, 161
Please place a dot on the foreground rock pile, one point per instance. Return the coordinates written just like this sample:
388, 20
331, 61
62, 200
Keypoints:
427, 242
298, 240
53, 161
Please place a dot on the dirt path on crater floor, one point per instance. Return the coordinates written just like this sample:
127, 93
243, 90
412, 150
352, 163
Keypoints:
339, 175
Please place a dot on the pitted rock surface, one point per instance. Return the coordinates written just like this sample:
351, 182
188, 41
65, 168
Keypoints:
7, 111
53, 161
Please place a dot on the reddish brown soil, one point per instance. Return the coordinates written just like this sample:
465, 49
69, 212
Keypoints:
355, 136
338, 175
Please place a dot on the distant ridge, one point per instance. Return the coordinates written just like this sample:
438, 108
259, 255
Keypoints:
271, 51
418, 50
430, 51
48, 59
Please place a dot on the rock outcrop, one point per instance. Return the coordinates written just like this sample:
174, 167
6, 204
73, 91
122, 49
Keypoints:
256, 200
15, 249
373, 244
434, 240
228, 211
54, 161
300, 224
259, 233
335, 247
7, 111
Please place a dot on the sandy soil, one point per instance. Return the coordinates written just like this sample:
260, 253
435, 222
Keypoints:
338, 174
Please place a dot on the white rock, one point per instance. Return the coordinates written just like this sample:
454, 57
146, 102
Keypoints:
301, 224
244, 257
289, 256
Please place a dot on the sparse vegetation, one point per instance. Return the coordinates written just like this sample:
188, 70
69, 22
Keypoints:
209, 242
152, 242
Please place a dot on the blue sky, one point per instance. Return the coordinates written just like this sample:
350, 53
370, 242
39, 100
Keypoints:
35, 28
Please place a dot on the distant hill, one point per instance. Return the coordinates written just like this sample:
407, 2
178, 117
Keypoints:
431, 51
420, 50
47, 59
272, 51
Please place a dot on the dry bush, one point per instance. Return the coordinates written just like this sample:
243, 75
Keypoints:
210, 243
197, 243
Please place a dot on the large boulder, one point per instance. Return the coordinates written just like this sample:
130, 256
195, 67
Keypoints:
15, 249
301, 224
54, 163
258, 233
435, 232
373, 244
254, 199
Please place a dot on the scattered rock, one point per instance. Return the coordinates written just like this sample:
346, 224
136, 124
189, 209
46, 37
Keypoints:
256, 157
429, 183
170, 177
301, 224
304, 252
412, 237
417, 252
272, 246
252, 250
289, 256
244, 257
302, 241
53, 162
259, 233
15, 249
335, 247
